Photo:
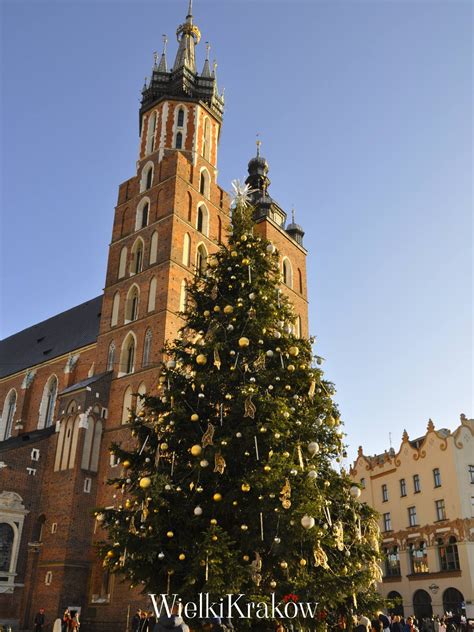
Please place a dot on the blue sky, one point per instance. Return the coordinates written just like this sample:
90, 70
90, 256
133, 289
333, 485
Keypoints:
365, 113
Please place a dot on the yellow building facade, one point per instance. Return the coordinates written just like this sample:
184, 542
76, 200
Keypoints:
424, 493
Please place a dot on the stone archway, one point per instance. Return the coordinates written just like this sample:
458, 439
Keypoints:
422, 604
397, 600
453, 600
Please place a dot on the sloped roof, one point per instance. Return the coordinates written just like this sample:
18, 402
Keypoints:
83, 383
60, 334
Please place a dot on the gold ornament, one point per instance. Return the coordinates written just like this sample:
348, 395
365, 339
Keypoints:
145, 482
217, 497
219, 463
245, 487
284, 564
182, 556
214, 538
244, 342
194, 417
208, 436
164, 446
169, 534
217, 308
285, 495
110, 553
201, 359
312, 389
266, 468
303, 562
126, 464
293, 351
246, 558
245, 262
290, 368
233, 253
228, 309
259, 362
249, 408
320, 557
206, 313
196, 450
213, 521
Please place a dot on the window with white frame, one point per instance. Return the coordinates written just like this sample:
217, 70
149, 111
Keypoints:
131, 308
150, 135
127, 356
48, 402
147, 348
12, 516
111, 357
136, 263
9, 408
202, 223
143, 211
287, 272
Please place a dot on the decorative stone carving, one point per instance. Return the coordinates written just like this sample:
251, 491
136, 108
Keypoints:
71, 362
28, 379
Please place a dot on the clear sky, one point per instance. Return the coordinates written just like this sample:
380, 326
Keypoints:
365, 113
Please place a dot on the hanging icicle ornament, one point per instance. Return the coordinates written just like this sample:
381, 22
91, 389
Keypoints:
207, 437
219, 463
249, 407
300, 456
256, 448
285, 495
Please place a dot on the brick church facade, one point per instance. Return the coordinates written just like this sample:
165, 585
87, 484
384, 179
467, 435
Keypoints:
67, 384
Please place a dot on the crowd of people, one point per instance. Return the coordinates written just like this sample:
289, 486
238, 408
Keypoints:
397, 623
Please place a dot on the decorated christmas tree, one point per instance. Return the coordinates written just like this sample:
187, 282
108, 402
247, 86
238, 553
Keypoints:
232, 480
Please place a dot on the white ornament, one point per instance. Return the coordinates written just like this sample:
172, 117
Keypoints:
270, 249
204, 463
355, 491
241, 194
171, 364
198, 511
313, 448
312, 474
269, 353
307, 522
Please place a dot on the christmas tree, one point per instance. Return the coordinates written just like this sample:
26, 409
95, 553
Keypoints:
231, 483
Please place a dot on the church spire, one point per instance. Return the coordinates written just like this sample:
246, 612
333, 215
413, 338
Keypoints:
188, 36
206, 71
163, 66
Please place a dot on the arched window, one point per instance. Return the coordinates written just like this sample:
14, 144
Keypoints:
150, 137
180, 117
7, 535
418, 557
300, 281
131, 308
204, 182
140, 394
74, 442
190, 206
287, 272
152, 295
123, 223
9, 407
127, 355
219, 230
149, 178
186, 249
202, 223
127, 404
111, 357
396, 598
183, 296
137, 257
179, 141
88, 439
147, 348
48, 402
201, 260
422, 605
142, 214
453, 601
94, 464
122, 263
146, 180
206, 139
448, 554
154, 248
115, 309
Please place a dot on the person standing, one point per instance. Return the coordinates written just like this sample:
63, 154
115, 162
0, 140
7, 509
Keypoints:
39, 620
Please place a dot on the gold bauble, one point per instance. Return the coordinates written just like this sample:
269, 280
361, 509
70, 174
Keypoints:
246, 558
206, 313
110, 553
126, 464
228, 309
245, 262
233, 253
214, 538
196, 450
145, 482
293, 351
217, 308
164, 446
286, 454
244, 342
234, 503
291, 368
169, 534
201, 359
213, 521
194, 417
266, 468
245, 487
217, 497
303, 562
181, 556
128, 503
284, 564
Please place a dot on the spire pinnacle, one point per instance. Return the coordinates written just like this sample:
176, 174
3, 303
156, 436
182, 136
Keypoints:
258, 143
206, 71
163, 66
188, 35
190, 9
293, 214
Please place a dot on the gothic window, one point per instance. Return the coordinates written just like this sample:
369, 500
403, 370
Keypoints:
152, 295
146, 179
219, 230
127, 404
448, 554
179, 141
6, 546
48, 402
9, 407
142, 214
94, 464
74, 442
111, 357
186, 249
149, 178
115, 309
150, 139
87, 448
140, 398
154, 248
133, 297
12, 512
183, 296
122, 263
180, 117
201, 260
418, 557
204, 183
127, 356
202, 223
137, 257
287, 272
300, 281
206, 139
147, 348
190, 206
